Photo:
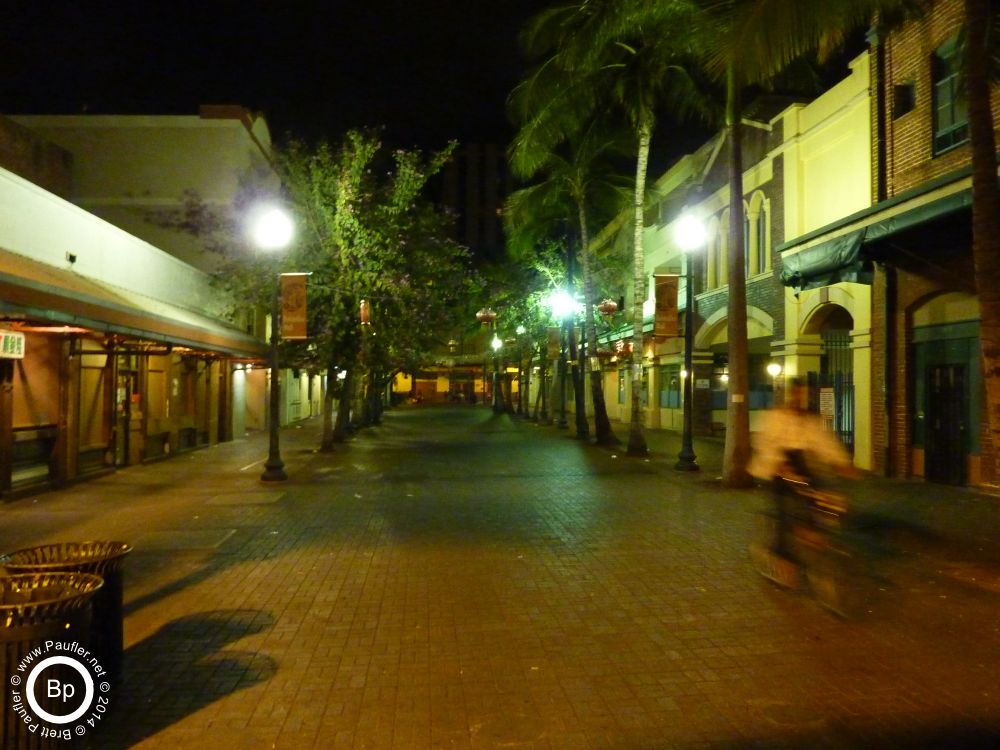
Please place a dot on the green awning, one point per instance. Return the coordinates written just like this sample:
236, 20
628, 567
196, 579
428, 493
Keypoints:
883, 228
838, 259
849, 256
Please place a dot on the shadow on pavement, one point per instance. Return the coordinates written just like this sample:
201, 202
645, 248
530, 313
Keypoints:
179, 670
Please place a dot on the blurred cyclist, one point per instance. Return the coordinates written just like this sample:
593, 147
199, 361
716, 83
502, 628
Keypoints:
793, 446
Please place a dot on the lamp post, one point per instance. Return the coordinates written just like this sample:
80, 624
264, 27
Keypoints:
521, 370
496, 344
690, 236
486, 316
562, 305
272, 229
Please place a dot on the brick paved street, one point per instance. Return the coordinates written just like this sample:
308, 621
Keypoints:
454, 579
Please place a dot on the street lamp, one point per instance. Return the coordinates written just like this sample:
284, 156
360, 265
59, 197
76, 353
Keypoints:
272, 229
774, 370
487, 316
496, 344
690, 233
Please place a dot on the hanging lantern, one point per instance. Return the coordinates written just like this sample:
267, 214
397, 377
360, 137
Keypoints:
366, 313
486, 315
608, 307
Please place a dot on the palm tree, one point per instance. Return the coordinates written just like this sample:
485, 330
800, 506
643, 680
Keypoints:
596, 60
582, 177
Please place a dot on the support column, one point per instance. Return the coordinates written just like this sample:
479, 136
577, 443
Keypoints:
861, 349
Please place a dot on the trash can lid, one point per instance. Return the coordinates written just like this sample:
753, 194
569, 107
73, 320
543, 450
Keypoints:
63, 555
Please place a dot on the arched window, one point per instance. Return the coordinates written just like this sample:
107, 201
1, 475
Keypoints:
763, 256
746, 243
717, 260
723, 272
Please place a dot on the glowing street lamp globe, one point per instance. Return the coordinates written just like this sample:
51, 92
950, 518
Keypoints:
271, 228
562, 304
690, 232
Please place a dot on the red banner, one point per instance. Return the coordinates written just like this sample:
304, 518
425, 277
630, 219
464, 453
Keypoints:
293, 306
665, 324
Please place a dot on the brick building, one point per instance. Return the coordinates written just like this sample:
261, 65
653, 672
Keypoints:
927, 399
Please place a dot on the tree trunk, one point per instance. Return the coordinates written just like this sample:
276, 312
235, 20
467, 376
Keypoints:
329, 400
543, 416
636, 435
326, 444
736, 454
985, 212
602, 425
579, 398
373, 399
524, 387
342, 427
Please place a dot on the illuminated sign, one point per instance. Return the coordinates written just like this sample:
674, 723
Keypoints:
11, 345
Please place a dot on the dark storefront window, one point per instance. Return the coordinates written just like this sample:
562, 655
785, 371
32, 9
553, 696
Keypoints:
670, 387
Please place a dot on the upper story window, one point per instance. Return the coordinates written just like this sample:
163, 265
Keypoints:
746, 245
951, 114
761, 259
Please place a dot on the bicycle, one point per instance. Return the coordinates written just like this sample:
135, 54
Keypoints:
820, 560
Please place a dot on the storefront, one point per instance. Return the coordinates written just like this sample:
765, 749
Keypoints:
93, 378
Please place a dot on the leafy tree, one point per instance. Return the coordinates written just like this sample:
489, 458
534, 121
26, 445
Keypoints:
374, 239
520, 287
364, 232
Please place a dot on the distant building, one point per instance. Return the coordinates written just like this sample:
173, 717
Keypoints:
475, 184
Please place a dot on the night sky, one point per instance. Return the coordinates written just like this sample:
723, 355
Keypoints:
427, 70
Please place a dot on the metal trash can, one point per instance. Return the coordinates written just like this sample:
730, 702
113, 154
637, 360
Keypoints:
104, 559
36, 608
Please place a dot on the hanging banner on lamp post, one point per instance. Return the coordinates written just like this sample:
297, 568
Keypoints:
293, 306
553, 342
665, 324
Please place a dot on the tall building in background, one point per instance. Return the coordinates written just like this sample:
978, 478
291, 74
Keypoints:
476, 183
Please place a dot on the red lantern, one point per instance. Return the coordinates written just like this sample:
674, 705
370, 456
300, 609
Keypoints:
366, 313
608, 307
486, 315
